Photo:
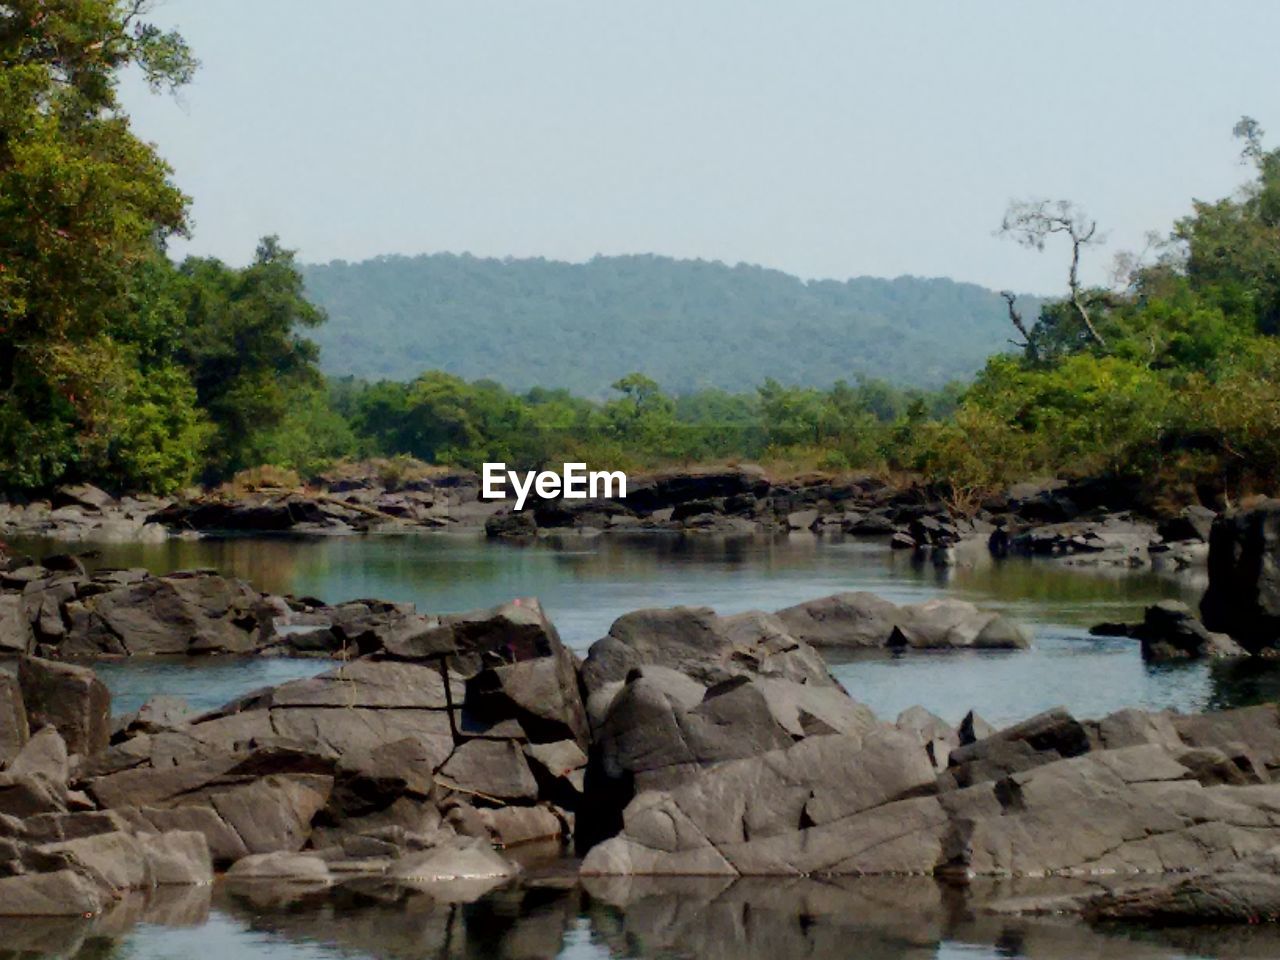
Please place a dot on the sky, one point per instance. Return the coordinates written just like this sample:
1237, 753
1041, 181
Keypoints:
826, 139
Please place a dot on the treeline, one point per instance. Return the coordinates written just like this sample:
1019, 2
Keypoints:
121, 367
1171, 379
443, 419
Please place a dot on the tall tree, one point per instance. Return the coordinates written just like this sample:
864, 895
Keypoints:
83, 202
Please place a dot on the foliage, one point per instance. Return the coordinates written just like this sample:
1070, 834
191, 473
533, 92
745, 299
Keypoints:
691, 325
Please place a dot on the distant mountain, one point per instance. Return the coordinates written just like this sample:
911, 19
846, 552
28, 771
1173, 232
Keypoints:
686, 323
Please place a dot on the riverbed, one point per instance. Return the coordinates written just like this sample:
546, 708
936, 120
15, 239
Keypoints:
585, 584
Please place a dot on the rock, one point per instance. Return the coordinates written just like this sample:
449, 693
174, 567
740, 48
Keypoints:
513, 826
14, 730
44, 756
70, 698
1170, 631
1249, 894
511, 525
62, 893
653, 739
162, 713
1256, 729
178, 858
197, 613
1243, 598
462, 859
64, 563
659, 491
1042, 739
1116, 539
973, 728
1115, 811
84, 495
782, 812
1192, 523
281, 867
275, 812
705, 647
119, 860
28, 796
802, 519
559, 768
16, 635
863, 620
540, 693
493, 769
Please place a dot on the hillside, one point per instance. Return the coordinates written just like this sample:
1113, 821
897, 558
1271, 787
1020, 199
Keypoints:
686, 323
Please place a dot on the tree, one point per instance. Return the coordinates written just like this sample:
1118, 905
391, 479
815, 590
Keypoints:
1031, 223
83, 202
240, 341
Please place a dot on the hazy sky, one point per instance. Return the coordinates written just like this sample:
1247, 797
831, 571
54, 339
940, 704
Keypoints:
828, 139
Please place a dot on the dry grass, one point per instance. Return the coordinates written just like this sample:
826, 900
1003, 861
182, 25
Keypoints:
259, 479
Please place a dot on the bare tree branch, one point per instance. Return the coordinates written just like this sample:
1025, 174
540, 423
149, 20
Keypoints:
1031, 223
1015, 317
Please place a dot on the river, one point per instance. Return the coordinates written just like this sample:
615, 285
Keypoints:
586, 583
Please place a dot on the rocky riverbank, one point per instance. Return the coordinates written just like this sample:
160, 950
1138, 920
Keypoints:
1085, 523
458, 747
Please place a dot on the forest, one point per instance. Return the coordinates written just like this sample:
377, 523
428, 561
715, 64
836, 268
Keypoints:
689, 324
121, 366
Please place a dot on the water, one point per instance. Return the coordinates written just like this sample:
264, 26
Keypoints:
586, 583
554, 917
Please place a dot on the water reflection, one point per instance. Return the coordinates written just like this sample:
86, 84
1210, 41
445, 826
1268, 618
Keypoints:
554, 916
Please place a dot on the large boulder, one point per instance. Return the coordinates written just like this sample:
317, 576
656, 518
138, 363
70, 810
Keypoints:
1243, 598
863, 620
704, 646
780, 813
1170, 631
70, 698
846, 805
196, 613
61, 893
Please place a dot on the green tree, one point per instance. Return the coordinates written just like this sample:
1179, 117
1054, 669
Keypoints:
240, 340
83, 202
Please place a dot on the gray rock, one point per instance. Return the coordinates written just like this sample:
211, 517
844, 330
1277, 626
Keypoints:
863, 620
62, 893
1243, 598
490, 768
198, 613
70, 698
281, 867
1170, 631
14, 730
708, 648
16, 635
463, 859
43, 756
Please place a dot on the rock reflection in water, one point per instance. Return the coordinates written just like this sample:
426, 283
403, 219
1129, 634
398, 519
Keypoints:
555, 916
